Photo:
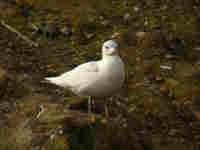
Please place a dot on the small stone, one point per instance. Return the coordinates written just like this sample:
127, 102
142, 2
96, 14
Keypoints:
140, 34
125, 125
138, 59
118, 103
146, 22
52, 137
60, 131
3, 76
165, 67
136, 9
115, 35
197, 115
164, 89
158, 78
132, 109
89, 36
101, 17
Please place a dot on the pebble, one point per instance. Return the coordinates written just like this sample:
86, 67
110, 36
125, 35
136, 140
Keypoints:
52, 137
115, 35
165, 67
140, 34
60, 131
89, 36
3, 76
136, 9
138, 59
158, 78
164, 89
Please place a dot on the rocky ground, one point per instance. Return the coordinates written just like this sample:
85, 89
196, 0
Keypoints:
157, 109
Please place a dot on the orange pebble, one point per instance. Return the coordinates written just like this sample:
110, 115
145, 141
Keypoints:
197, 115
25, 3
164, 89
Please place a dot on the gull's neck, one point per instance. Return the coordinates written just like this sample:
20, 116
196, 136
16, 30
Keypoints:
108, 62
109, 56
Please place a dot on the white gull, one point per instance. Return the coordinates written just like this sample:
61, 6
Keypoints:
96, 78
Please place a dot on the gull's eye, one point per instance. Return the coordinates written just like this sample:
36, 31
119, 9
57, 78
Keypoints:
106, 47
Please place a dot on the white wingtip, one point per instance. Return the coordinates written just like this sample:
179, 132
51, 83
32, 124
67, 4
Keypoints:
48, 78
54, 80
51, 79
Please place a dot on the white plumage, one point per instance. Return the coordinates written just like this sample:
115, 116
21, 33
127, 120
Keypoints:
96, 78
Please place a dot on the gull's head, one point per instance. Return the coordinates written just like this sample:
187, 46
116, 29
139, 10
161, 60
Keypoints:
109, 48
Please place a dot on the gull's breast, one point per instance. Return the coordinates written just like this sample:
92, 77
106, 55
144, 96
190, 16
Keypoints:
109, 79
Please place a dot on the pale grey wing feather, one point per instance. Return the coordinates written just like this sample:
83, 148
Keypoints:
81, 76
79, 82
86, 67
77, 77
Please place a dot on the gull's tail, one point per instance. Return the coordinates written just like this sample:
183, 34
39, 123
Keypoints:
55, 80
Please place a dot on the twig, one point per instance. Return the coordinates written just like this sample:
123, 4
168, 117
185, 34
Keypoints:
25, 38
